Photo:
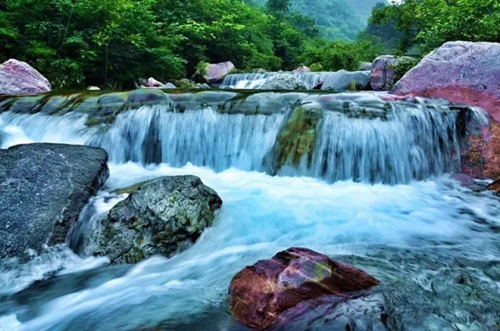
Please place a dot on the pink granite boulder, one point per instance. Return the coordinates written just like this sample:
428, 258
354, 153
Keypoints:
259, 294
302, 68
465, 73
153, 83
215, 72
17, 77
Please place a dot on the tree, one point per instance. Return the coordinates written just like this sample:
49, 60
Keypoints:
278, 6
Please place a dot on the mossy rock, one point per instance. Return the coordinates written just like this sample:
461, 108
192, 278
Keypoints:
298, 137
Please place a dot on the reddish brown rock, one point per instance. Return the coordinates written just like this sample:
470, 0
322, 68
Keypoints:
466, 73
495, 186
260, 293
17, 77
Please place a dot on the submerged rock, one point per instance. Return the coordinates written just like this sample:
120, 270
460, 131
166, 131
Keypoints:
17, 77
44, 187
284, 82
343, 80
261, 293
466, 73
158, 217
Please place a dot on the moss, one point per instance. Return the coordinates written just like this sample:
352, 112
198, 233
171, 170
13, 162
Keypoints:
298, 137
129, 189
352, 86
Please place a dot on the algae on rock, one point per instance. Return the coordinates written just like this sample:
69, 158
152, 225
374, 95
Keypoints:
160, 216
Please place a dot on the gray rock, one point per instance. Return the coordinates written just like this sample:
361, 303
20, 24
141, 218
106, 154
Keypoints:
383, 76
205, 86
169, 85
158, 217
259, 70
343, 80
43, 189
284, 82
17, 77
365, 66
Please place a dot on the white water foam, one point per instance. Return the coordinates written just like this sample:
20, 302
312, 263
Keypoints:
262, 215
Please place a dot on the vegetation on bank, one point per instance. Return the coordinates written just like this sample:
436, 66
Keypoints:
419, 26
112, 43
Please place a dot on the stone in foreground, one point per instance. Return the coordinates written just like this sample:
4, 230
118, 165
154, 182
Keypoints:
44, 187
466, 73
158, 217
259, 294
17, 77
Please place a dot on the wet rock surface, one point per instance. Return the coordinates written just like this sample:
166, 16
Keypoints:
158, 217
43, 189
259, 294
343, 80
466, 73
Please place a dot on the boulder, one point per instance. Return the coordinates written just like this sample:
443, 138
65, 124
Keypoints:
383, 73
365, 66
215, 72
44, 187
260, 294
343, 80
169, 86
302, 68
259, 70
153, 83
495, 186
284, 82
158, 217
17, 77
466, 73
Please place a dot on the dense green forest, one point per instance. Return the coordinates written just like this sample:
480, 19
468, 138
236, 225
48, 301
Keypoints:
418, 26
112, 43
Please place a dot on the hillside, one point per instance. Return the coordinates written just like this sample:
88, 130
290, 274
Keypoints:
336, 19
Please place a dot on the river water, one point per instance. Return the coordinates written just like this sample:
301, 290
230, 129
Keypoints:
433, 244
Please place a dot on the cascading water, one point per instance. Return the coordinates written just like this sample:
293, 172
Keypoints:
348, 137
391, 210
256, 80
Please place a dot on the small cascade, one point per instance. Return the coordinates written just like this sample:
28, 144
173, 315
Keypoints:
358, 136
201, 137
256, 80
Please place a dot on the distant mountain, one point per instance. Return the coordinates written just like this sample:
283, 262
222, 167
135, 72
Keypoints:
336, 19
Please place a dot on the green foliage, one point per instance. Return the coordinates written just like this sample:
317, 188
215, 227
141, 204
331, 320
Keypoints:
422, 25
112, 43
278, 6
201, 68
316, 67
341, 55
403, 65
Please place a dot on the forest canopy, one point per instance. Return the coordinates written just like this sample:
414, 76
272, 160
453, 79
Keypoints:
111, 43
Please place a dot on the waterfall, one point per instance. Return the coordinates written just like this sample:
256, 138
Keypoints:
256, 80
356, 136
